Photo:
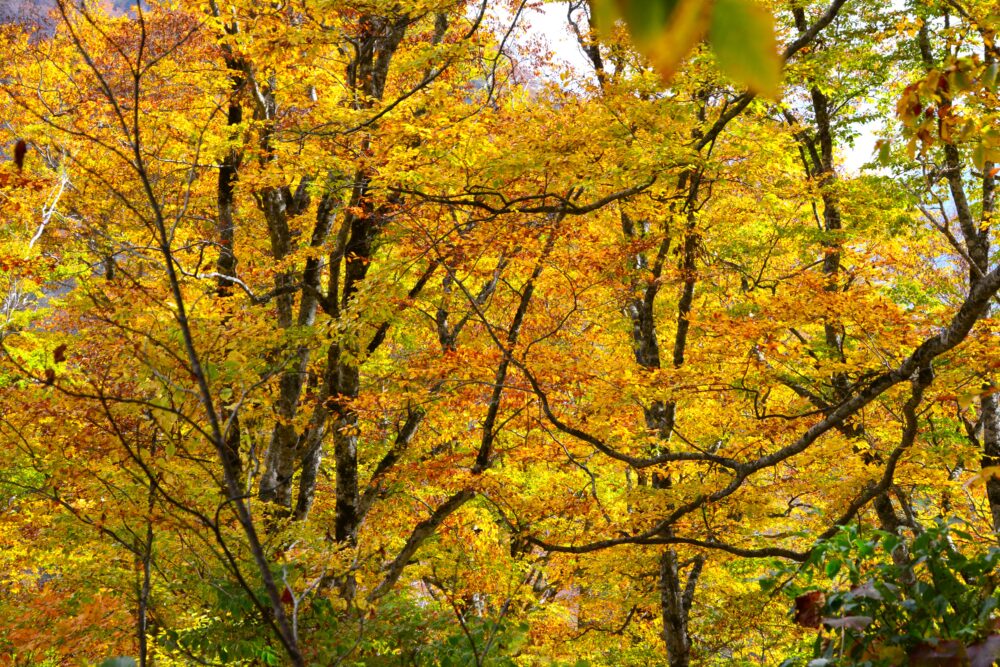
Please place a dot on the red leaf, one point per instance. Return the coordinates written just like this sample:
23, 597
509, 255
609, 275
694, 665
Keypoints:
286, 596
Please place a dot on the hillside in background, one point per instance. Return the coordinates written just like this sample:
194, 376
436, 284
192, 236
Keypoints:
39, 10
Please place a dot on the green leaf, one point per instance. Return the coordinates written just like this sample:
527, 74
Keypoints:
965, 400
647, 19
990, 77
665, 31
742, 37
883, 151
979, 156
890, 542
960, 80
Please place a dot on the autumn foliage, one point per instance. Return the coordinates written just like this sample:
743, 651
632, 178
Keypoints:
375, 333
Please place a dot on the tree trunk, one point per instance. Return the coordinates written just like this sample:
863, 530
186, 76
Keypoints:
675, 606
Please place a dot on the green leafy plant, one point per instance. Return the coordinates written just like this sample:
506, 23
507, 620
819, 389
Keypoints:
922, 601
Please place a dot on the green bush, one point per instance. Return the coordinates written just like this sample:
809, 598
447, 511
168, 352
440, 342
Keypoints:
923, 601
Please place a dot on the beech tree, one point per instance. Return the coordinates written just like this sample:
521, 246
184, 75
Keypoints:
362, 333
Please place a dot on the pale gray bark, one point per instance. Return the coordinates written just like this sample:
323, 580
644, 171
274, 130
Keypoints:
890, 522
423, 530
676, 598
290, 451
660, 415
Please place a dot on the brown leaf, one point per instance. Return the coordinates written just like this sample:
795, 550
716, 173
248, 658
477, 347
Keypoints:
50, 376
866, 590
849, 622
984, 653
945, 653
59, 354
19, 151
808, 609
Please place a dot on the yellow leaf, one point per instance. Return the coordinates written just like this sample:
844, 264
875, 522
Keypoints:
663, 31
742, 36
983, 476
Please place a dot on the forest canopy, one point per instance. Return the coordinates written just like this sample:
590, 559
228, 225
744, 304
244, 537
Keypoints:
376, 332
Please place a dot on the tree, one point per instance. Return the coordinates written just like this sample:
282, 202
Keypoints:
343, 332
